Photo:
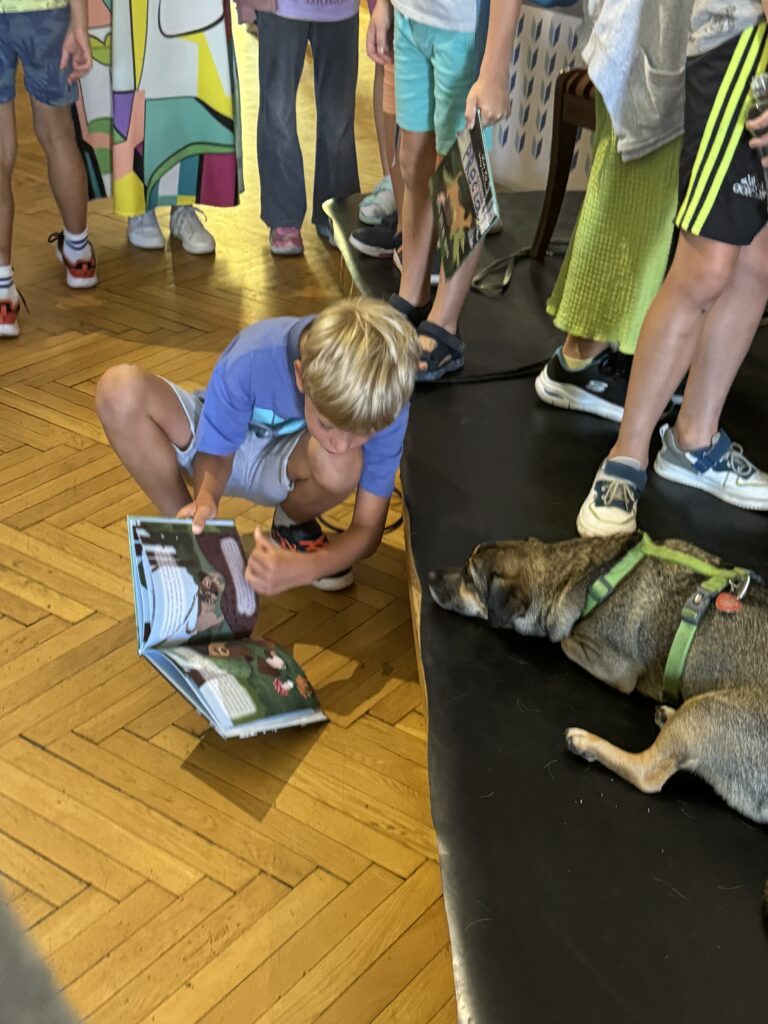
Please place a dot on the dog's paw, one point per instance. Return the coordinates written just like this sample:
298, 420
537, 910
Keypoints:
578, 741
662, 715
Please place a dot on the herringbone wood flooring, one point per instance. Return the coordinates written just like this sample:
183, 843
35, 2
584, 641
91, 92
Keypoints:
164, 874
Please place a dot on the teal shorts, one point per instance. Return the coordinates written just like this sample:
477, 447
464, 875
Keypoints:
434, 71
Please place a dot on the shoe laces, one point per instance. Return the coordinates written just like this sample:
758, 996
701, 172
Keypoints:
738, 462
614, 492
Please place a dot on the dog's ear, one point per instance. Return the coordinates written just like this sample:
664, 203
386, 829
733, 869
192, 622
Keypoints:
507, 598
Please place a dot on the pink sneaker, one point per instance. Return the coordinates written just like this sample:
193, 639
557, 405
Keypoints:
285, 241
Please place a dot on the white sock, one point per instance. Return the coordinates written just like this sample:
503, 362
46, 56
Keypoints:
76, 246
6, 276
281, 519
626, 461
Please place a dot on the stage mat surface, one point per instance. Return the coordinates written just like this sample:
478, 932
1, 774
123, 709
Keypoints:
571, 896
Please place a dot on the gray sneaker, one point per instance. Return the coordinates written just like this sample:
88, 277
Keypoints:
722, 469
611, 505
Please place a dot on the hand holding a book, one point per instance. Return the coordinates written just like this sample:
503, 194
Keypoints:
488, 97
199, 511
271, 570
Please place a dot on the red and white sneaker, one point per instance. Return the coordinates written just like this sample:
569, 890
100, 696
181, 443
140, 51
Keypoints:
306, 538
81, 273
10, 302
285, 242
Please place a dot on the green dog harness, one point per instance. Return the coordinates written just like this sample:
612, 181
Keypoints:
716, 580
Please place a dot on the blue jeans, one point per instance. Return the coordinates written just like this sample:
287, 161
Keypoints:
282, 48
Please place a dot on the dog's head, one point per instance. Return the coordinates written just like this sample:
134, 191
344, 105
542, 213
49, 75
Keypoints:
497, 583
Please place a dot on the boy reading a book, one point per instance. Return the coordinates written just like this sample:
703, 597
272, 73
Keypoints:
299, 412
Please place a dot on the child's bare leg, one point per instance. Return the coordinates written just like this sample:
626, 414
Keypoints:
700, 272
143, 419
450, 298
320, 480
725, 340
417, 163
66, 171
576, 347
7, 160
378, 117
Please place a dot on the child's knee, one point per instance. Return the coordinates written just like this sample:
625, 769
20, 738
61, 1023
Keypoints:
337, 474
416, 164
53, 126
119, 394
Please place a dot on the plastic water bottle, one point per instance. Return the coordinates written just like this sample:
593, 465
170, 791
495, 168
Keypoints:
759, 93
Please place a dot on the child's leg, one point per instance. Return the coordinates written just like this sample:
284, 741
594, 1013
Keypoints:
143, 419
282, 46
66, 170
7, 160
700, 273
727, 335
334, 52
417, 163
320, 480
385, 153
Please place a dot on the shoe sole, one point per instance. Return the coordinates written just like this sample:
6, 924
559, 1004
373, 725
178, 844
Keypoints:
331, 583
370, 250
78, 283
9, 331
195, 252
371, 221
147, 246
568, 396
293, 251
591, 527
676, 475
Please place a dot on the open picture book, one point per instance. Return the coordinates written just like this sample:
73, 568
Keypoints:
463, 197
194, 618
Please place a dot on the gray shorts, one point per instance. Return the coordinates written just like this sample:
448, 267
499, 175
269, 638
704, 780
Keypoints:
260, 468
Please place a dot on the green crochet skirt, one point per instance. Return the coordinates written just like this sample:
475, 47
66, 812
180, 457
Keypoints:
619, 250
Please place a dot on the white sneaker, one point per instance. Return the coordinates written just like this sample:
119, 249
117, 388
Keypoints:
379, 204
187, 227
611, 505
9, 312
722, 469
144, 231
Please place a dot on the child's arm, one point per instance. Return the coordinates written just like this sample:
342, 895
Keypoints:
272, 570
76, 48
378, 42
489, 96
211, 475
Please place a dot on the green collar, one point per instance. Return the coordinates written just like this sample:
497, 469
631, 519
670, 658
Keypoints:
716, 579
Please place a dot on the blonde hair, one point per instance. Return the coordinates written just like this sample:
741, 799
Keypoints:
358, 364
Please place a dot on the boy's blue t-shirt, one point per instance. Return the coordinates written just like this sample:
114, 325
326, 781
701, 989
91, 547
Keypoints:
253, 383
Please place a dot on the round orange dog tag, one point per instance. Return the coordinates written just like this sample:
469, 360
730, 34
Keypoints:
727, 602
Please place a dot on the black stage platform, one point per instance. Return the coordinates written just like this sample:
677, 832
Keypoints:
571, 897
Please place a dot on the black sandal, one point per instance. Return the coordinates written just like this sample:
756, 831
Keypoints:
416, 314
446, 357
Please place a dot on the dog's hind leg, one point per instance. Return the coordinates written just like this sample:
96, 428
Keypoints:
721, 736
647, 771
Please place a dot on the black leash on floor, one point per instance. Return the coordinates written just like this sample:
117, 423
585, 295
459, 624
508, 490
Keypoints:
389, 528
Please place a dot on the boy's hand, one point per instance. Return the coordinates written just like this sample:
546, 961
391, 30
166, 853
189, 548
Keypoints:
271, 570
199, 511
76, 52
489, 97
378, 42
759, 129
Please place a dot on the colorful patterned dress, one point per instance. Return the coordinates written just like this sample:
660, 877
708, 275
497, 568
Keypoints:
159, 119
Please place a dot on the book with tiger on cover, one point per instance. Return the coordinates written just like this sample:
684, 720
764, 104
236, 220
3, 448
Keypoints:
194, 617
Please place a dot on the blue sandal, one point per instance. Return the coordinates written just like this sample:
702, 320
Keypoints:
446, 357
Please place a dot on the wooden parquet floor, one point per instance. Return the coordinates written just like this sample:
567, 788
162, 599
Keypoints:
165, 875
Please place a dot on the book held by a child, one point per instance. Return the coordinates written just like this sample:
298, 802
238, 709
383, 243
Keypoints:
463, 198
194, 618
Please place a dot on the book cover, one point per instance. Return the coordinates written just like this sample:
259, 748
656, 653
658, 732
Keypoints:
463, 198
194, 617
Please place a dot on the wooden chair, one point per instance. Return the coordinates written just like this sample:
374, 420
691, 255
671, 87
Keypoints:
573, 108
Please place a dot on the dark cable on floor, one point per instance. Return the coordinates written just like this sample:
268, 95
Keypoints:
389, 528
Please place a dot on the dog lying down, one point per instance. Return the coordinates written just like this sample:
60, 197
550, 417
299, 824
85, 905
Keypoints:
720, 731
